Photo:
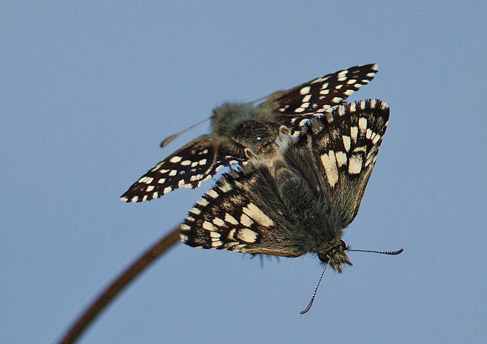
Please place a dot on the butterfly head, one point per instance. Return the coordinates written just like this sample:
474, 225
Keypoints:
334, 254
227, 117
257, 136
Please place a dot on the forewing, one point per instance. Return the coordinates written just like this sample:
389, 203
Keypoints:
188, 167
345, 143
321, 94
232, 217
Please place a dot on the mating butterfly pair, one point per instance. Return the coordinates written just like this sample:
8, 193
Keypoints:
299, 198
306, 157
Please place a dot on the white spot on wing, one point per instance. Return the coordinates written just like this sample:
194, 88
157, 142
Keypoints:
212, 194
175, 159
216, 244
360, 149
362, 123
375, 139
208, 226
342, 76
196, 177
225, 187
245, 220
353, 133
325, 108
368, 133
331, 169
146, 180
203, 202
355, 164
305, 90
195, 211
353, 107
247, 235
341, 158
325, 91
185, 227
256, 214
346, 142
230, 219
215, 235
219, 222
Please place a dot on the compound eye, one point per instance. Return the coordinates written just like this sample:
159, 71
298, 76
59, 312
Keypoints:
323, 257
343, 245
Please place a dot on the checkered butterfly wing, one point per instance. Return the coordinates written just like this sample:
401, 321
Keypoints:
345, 144
188, 167
232, 216
319, 95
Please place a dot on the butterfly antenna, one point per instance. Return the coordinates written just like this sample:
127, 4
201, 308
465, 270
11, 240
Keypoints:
390, 253
167, 140
308, 307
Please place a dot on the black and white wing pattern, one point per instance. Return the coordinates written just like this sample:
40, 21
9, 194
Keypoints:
232, 216
188, 167
200, 159
344, 144
319, 95
301, 200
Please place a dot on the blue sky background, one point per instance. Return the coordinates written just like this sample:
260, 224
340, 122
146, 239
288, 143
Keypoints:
88, 90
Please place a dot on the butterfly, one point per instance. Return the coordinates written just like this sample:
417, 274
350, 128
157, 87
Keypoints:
238, 127
300, 198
